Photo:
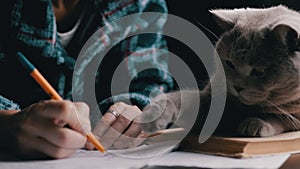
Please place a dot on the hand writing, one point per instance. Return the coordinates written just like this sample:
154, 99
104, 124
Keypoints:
39, 129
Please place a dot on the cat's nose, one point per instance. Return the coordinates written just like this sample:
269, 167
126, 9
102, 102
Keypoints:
238, 89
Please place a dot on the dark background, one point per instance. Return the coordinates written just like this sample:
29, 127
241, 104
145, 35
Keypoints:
197, 12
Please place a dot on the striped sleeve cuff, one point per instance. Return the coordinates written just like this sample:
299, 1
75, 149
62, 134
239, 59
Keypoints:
6, 104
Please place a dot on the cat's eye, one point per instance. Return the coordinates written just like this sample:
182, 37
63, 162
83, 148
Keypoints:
257, 72
230, 64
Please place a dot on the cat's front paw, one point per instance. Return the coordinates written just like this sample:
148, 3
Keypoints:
154, 119
256, 127
161, 112
156, 116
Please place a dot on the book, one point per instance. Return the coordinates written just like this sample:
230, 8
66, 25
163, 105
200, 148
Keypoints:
243, 147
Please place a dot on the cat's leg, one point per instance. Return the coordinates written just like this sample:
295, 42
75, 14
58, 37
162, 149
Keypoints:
160, 112
266, 125
166, 108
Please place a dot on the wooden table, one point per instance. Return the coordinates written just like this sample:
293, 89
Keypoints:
293, 162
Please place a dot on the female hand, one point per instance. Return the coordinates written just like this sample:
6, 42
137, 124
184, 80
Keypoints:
39, 131
118, 129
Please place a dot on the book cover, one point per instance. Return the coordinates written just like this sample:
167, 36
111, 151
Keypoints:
242, 147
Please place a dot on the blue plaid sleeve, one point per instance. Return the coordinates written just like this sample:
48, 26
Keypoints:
6, 104
149, 52
146, 51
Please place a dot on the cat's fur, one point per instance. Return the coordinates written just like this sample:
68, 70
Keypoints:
260, 55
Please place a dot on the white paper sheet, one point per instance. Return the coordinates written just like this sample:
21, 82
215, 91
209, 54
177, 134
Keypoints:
96, 160
117, 159
209, 161
80, 160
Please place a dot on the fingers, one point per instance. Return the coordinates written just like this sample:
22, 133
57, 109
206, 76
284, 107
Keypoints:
140, 138
62, 113
134, 130
108, 119
118, 127
43, 124
121, 123
38, 147
129, 138
52, 109
118, 131
51, 149
59, 136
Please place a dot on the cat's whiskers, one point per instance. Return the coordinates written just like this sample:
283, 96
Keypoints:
284, 99
285, 118
209, 31
290, 119
285, 115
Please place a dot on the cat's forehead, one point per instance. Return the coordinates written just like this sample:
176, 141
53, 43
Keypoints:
242, 40
250, 46
256, 18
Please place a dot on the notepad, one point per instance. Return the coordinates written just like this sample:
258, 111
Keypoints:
242, 147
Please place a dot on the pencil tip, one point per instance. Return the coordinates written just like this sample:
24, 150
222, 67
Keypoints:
95, 142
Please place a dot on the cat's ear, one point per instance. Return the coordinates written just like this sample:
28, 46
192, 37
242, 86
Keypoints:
288, 36
226, 19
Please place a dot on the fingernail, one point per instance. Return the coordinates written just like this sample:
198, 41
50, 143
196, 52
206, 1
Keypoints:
89, 146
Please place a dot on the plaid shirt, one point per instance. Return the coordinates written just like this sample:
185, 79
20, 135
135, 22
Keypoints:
29, 27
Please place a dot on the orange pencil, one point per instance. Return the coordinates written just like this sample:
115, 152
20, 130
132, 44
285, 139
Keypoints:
165, 131
53, 94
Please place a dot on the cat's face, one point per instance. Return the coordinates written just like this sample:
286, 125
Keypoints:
261, 64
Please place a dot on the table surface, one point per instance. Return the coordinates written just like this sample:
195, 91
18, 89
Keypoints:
293, 162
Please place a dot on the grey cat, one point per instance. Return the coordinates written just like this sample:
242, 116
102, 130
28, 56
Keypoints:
260, 54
